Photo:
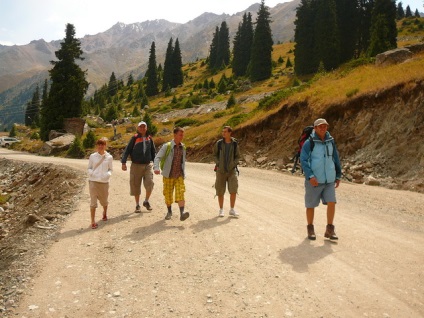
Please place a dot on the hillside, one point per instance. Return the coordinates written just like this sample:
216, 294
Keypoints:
122, 49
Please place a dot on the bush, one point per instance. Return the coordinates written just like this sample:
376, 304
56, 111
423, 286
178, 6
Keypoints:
76, 150
186, 122
90, 140
218, 114
12, 132
352, 92
35, 136
231, 101
236, 120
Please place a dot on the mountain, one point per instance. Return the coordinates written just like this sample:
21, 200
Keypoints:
122, 49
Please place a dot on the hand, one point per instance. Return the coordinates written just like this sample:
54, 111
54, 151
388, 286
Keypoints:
124, 167
337, 183
313, 181
157, 171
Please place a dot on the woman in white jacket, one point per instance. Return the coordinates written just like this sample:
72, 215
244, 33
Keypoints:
100, 167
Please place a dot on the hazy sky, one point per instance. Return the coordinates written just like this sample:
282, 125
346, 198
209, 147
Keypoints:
22, 21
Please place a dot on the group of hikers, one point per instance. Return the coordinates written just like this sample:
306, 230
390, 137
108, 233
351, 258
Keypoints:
319, 160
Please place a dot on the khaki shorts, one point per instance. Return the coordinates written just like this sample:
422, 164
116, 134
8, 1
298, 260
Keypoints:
141, 173
98, 191
222, 179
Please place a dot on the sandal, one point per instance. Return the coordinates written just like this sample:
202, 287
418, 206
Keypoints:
94, 226
104, 217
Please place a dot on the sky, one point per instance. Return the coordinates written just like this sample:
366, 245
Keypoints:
22, 21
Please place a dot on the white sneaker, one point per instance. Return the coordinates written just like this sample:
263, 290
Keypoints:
233, 213
221, 213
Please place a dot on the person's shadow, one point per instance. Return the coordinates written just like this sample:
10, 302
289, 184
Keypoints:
210, 223
301, 256
143, 232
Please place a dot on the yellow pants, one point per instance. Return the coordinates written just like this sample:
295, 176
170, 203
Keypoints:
169, 184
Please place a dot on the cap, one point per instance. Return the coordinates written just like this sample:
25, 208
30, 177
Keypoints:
320, 121
142, 123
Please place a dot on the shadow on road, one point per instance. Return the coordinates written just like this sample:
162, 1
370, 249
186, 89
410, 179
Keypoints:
88, 228
143, 232
209, 224
301, 256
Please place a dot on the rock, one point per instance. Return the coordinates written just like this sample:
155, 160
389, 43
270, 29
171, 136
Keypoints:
261, 160
57, 144
370, 180
32, 218
395, 56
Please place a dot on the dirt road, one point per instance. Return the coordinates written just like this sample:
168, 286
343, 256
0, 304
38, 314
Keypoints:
260, 265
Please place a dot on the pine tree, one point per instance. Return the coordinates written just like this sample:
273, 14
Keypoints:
223, 52
167, 67
366, 7
242, 46
113, 85
417, 14
400, 13
408, 12
68, 85
130, 80
213, 50
327, 41
305, 59
151, 73
260, 59
152, 129
348, 28
177, 65
33, 109
383, 27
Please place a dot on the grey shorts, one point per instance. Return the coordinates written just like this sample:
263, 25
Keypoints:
326, 192
98, 191
141, 173
221, 181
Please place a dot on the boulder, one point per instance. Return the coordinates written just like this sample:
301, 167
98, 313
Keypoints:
395, 56
57, 145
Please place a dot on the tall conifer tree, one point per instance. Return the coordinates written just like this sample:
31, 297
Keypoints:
177, 65
260, 59
305, 59
383, 27
327, 41
213, 50
68, 85
242, 46
348, 28
167, 67
152, 85
223, 52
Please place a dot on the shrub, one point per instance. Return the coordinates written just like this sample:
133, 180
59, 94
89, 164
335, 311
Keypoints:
90, 140
12, 132
352, 92
231, 101
236, 120
218, 114
35, 136
76, 150
186, 122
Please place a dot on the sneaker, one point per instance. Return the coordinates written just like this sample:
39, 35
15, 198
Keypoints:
137, 208
233, 213
311, 232
146, 204
221, 213
329, 232
168, 216
184, 216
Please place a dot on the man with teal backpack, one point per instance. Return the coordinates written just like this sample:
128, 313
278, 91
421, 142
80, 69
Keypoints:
321, 164
171, 160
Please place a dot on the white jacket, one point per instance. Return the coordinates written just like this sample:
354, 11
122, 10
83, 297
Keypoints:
103, 172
